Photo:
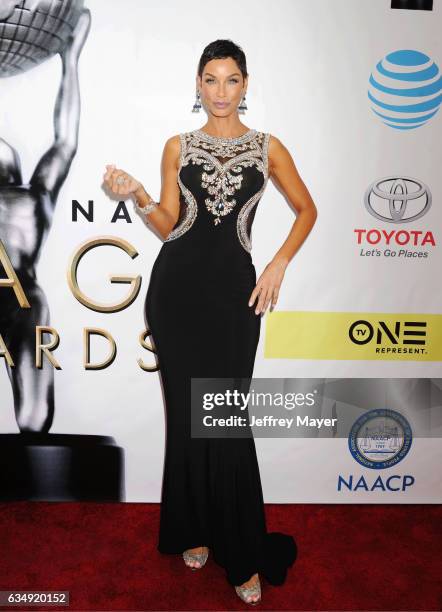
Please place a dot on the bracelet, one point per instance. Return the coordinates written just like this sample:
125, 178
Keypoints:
148, 208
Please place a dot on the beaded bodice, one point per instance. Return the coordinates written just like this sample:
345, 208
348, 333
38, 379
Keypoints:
221, 181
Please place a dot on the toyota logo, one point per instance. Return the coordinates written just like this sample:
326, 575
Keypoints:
397, 199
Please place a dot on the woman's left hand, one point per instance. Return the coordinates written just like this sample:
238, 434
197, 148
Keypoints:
267, 286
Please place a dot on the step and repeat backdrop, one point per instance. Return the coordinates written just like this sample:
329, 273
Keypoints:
350, 359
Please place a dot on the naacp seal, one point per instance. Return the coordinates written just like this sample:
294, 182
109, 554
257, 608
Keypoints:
380, 438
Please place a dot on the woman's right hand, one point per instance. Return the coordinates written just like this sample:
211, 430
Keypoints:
119, 186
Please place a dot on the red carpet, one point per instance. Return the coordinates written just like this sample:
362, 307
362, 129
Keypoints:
350, 557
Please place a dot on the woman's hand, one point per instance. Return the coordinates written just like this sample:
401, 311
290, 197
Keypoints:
119, 181
267, 286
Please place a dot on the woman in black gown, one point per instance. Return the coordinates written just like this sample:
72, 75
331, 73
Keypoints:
205, 322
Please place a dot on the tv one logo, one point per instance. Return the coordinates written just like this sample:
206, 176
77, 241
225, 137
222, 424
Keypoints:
396, 333
378, 439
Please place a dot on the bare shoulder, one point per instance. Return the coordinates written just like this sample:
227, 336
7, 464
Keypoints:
275, 145
173, 143
277, 151
172, 149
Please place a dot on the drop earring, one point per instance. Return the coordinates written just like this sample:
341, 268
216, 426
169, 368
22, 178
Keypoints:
243, 106
197, 105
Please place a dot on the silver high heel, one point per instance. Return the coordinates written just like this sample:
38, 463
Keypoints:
200, 558
245, 592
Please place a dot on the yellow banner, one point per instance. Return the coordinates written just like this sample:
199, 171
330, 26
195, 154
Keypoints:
353, 335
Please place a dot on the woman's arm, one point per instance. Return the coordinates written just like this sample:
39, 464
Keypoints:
283, 172
165, 216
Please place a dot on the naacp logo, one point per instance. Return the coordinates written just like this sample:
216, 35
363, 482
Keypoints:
397, 199
380, 438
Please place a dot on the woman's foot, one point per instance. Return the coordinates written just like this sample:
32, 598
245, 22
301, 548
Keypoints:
250, 591
196, 557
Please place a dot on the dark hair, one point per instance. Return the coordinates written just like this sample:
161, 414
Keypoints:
220, 49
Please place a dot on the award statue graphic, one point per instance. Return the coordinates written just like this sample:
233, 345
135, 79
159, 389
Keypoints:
34, 464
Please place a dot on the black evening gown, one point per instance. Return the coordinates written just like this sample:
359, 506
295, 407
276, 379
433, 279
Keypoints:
201, 325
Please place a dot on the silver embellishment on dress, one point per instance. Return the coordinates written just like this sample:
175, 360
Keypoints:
221, 180
224, 141
241, 223
192, 207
